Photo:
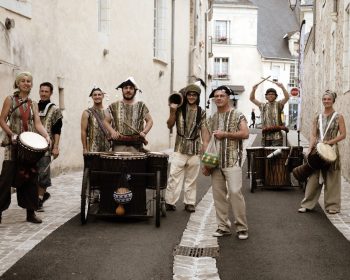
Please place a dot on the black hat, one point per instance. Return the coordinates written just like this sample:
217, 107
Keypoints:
271, 90
94, 89
128, 82
226, 89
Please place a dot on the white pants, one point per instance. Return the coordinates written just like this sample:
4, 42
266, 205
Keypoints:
184, 170
229, 181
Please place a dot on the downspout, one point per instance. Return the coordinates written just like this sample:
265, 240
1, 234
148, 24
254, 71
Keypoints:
192, 42
172, 59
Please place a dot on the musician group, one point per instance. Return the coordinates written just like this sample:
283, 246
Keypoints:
124, 125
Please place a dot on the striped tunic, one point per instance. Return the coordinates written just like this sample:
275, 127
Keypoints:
271, 116
229, 149
187, 139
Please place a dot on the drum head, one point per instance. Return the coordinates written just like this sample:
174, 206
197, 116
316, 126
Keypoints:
33, 140
326, 152
157, 154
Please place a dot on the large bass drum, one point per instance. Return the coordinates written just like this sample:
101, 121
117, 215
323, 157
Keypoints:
31, 147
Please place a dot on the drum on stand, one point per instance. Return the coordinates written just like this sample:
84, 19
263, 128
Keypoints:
319, 158
125, 164
31, 147
157, 161
276, 172
259, 154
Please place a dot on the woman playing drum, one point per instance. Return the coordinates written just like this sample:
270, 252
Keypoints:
19, 114
328, 128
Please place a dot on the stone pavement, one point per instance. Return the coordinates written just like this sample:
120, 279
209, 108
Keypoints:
341, 220
17, 237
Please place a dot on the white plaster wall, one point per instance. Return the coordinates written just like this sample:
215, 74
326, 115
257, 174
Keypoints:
61, 40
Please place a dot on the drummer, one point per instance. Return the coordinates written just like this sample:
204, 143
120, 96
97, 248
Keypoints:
94, 135
270, 112
128, 120
19, 114
51, 118
328, 128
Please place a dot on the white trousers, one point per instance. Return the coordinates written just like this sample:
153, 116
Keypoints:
227, 185
184, 171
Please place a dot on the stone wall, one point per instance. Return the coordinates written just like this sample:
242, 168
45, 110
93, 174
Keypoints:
324, 69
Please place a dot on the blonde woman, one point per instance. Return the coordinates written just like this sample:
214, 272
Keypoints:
328, 128
19, 114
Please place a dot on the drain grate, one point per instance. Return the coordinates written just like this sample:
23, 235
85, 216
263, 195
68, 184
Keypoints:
196, 252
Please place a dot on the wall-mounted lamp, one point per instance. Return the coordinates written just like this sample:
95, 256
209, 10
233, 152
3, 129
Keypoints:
9, 23
105, 52
161, 73
293, 4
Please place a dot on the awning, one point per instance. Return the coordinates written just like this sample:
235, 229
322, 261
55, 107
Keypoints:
236, 88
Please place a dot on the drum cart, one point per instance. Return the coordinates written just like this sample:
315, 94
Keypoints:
271, 167
101, 179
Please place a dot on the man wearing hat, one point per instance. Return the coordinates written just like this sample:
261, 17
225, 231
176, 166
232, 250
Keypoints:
190, 122
270, 113
229, 127
94, 135
128, 121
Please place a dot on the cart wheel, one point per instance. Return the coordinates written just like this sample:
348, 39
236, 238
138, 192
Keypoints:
252, 180
158, 200
85, 197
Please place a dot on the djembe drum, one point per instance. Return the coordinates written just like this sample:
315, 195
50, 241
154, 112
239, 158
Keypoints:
31, 147
320, 157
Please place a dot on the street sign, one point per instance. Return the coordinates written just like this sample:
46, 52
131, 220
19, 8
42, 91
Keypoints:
294, 92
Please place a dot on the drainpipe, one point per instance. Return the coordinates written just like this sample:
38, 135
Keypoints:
172, 59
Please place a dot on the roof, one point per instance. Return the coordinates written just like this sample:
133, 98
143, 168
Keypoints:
236, 88
275, 20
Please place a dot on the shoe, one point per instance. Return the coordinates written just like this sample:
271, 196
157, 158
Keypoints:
332, 212
302, 210
190, 208
170, 207
242, 235
32, 218
46, 196
220, 232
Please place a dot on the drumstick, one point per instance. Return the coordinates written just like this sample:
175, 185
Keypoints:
289, 155
133, 129
48, 165
264, 79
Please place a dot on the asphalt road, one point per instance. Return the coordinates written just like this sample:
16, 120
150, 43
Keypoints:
284, 244
107, 249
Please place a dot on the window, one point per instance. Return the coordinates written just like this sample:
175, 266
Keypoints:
293, 78
221, 68
159, 40
221, 31
103, 16
275, 72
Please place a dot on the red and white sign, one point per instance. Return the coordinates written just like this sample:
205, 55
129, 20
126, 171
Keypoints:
294, 92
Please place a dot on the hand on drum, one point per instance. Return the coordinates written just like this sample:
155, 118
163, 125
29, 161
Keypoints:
115, 135
14, 138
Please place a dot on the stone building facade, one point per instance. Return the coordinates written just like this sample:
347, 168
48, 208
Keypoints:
326, 67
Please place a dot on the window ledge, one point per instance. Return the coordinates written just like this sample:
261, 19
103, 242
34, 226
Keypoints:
160, 61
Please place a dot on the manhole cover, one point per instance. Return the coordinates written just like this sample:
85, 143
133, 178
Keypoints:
196, 252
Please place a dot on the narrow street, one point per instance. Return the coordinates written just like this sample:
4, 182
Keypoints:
282, 244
